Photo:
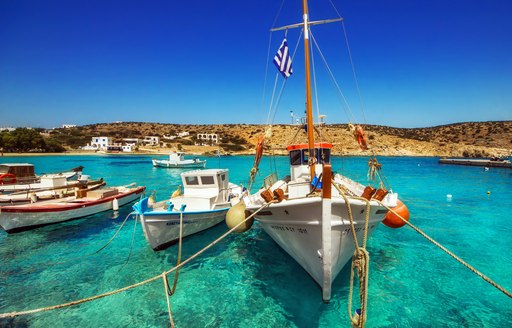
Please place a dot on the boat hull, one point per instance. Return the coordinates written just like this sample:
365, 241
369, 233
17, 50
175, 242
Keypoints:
296, 226
25, 217
168, 164
162, 229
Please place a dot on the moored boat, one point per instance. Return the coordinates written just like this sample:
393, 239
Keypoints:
16, 218
20, 176
316, 216
178, 160
207, 196
53, 191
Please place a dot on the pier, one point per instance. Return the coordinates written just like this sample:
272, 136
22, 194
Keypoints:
476, 162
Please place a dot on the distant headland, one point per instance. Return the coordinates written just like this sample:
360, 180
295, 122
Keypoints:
470, 139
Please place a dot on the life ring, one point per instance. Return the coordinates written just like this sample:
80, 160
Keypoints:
392, 220
360, 137
7, 178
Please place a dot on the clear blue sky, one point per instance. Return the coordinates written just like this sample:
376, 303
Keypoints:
419, 63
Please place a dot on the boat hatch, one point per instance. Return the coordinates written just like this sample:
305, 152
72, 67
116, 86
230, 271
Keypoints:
299, 154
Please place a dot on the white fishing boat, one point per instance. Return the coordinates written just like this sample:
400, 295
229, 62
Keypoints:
178, 160
312, 213
207, 196
16, 218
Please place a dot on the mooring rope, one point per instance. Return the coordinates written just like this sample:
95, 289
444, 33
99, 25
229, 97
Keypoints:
444, 249
167, 296
178, 261
93, 253
140, 283
360, 262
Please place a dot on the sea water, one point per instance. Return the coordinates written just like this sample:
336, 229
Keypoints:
246, 280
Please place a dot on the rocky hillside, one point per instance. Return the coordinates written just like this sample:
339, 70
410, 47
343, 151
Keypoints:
473, 139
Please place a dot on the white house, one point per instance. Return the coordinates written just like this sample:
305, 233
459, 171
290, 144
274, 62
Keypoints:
127, 148
151, 140
183, 134
101, 143
208, 137
68, 126
131, 141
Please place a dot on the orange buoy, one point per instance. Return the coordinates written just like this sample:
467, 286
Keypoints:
392, 220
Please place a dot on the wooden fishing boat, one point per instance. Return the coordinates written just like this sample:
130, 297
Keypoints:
20, 176
312, 213
70, 188
16, 218
205, 200
178, 160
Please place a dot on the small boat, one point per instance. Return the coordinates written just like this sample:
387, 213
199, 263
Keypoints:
18, 218
206, 198
53, 192
20, 176
178, 160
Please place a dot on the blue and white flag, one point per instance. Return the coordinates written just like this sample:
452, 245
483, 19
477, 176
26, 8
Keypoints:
283, 61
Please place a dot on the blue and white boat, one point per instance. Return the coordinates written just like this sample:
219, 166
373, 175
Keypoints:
207, 196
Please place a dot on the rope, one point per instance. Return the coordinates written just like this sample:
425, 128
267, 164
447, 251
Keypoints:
444, 249
131, 246
141, 283
95, 252
166, 287
177, 272
360, 261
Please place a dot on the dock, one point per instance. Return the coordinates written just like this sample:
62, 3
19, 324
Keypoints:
476, 162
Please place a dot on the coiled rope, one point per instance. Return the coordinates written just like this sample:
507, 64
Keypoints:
141, 283
360, 262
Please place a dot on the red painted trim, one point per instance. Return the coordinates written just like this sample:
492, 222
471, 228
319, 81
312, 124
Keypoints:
34, 208
306, 146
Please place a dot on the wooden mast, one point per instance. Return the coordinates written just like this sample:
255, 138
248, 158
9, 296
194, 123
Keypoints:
309, 106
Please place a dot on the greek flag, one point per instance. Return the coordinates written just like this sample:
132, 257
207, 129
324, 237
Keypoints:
283, 61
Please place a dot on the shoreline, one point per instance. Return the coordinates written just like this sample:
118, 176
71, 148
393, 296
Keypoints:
166, 153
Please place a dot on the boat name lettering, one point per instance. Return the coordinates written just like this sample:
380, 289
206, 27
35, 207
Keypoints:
170, 223
291, 229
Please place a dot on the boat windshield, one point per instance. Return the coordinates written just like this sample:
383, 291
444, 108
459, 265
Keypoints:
301, 156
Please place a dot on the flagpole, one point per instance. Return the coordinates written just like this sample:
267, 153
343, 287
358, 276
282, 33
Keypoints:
309, 106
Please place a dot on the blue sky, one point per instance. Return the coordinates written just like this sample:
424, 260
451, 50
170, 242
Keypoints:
419, 63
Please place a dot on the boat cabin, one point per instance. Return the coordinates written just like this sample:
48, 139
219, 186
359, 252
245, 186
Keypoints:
299, 158
206, 183
17, 172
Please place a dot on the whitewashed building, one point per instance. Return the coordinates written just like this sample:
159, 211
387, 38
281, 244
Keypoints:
151, 140
131, 141
101, 143
208, 138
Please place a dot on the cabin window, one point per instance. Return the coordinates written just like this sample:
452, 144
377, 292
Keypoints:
223, 177
323, 155
295, 157
192, 181
207, 180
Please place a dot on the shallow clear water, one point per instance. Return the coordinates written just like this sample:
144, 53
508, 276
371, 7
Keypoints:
247, 280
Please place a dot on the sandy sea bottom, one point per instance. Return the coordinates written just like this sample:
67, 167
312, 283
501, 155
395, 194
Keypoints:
247, 280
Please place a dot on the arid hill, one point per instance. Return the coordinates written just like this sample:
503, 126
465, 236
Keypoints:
472, 139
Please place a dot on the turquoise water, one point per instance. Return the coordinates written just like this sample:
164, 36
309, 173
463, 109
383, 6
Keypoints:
247, 280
